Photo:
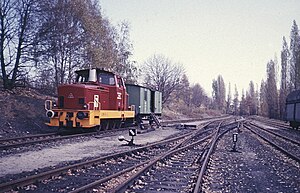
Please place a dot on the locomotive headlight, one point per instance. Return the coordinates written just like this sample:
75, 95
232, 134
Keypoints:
50, 114
80, 115
85, 106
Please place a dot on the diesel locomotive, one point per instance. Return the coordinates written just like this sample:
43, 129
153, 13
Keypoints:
98, 99
293, 109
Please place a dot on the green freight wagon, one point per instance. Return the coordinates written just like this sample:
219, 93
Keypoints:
146, 101
156, 102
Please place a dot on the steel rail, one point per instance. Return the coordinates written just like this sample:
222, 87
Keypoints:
45, 175
4, 140
206, 159
294, 157
122, 187
276, 134
130, 181
55, 137
272, 122
145, 164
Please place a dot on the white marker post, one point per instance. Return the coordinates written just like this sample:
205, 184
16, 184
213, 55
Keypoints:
234, 139
132, 133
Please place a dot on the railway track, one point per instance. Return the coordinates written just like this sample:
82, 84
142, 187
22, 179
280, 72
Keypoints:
281, 134
194, 120
34, 139
270, 122
14, 142
179, 169
285, 145
104, 167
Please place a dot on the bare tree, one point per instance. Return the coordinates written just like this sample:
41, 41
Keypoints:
271, 91
74, 35
219, 93
59, 41
244, 110
198, 95
263, 99
184, 92
284, 81
228, 101
295, 57
17, 32
162, 74
236, 101
125, 66
252, 99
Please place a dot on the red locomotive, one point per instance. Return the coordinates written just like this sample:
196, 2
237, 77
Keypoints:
97, 99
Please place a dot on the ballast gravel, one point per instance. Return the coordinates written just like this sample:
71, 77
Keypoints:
254, 167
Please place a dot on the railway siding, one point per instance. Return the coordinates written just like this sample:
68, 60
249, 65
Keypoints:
255, 167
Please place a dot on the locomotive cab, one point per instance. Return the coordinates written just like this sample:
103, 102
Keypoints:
113, 83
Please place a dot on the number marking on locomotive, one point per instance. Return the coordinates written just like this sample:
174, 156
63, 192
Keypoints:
96, 101
119, 95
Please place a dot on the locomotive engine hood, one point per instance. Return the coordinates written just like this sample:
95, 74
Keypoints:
79, 96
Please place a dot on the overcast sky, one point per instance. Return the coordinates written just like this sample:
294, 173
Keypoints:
234, 38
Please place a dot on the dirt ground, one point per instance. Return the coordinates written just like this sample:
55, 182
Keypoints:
22, 112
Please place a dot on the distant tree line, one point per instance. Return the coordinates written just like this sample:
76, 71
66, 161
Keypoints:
269, 100
274, 92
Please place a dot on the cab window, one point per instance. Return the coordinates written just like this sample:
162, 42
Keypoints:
106, 78
82, 78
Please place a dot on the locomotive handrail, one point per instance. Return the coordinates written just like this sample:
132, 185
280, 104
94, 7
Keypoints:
132, 107
94, 108
48, 105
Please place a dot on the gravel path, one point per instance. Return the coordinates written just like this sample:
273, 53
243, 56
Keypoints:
256, 167
51, 156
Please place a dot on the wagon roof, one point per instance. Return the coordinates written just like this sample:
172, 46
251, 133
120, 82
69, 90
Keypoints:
293, 96
140, 86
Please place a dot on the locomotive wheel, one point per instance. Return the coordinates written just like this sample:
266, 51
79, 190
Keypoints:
98, 128
102, 125
107, 126
118, 124
113, 125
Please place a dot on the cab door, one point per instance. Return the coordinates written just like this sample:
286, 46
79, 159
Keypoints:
120, 94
